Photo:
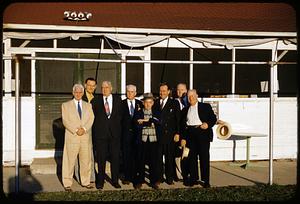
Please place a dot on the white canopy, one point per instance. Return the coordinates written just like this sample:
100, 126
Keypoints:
138, 40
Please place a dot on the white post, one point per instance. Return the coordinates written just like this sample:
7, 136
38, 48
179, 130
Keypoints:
233, 72
17, 123
147, 70
191, 82
123, 76
271, 119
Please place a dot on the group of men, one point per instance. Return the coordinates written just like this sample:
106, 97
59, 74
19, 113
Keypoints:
133, 133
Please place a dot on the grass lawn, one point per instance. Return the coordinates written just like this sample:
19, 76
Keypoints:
234, 193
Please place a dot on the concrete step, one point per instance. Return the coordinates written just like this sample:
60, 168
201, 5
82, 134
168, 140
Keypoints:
52, 166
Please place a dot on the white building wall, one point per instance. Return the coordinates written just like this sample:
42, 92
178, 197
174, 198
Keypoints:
252, 115
27, 128
249, 115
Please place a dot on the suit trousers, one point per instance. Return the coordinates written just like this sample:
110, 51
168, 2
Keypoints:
128, 156
108, 149
77, 168
148, 154
199, 145
76, 146
168, 167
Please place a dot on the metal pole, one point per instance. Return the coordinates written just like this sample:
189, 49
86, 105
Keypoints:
148, 61
17, 123
271, 122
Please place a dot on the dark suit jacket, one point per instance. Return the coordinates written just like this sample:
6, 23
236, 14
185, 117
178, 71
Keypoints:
170, 119
103, 128
127, 121
155, 120
206, 114
84, 97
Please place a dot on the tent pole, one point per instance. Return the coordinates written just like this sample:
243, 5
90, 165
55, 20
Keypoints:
271, 122
17, 123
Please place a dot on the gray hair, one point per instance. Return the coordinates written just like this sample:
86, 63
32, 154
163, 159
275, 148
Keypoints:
184, 84
78, 86
107, 82
192, 91
131, 86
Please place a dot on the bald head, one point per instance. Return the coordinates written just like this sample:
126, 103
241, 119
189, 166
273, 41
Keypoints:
192, 96
181, 89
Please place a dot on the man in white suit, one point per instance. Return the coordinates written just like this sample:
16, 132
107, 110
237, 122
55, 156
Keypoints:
78, 118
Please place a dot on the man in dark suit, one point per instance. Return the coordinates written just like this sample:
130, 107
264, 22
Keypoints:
107, 133
197, 122
170, 125
89, 90
129, 133
147, 121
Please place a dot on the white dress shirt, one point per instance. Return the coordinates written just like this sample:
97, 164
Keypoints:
110, 103
193, 116
165, 101
76, 104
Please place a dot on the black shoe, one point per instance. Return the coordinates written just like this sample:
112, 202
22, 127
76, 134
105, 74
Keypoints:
192, 183
186, 183
125, 182
116, 185
99, 186
170, 182
155, 186
206, 185
89, 186
68, 189
138, 186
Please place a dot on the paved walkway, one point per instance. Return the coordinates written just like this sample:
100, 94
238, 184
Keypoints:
222, 174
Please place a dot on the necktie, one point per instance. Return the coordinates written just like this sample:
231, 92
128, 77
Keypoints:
106, 105
131, 109
161, 104
79, 109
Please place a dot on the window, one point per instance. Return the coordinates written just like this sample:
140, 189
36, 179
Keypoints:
135, 74
170, 73
212, 79
91, 42
287, 74
54, 82
249, 76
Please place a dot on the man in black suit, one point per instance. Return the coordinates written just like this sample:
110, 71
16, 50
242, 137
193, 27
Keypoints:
89, 90
197, 122
129, 134
107, 133
147, 121
170, 125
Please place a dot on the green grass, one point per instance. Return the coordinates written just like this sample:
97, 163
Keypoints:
235, 193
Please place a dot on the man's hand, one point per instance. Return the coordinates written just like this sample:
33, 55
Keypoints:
176, 137
183, 143
204, 126
140, 121
80, 131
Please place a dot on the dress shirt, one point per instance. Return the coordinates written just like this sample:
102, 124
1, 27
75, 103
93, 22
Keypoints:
129, 104
89, 96
110, 103
165, 101
193, 116
76, 104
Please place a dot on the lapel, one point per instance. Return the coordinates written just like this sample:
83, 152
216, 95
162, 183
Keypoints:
84, 109
200, 112
101, 103
166, 106
127, 108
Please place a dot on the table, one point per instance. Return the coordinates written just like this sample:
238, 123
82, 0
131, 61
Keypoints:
248, 136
